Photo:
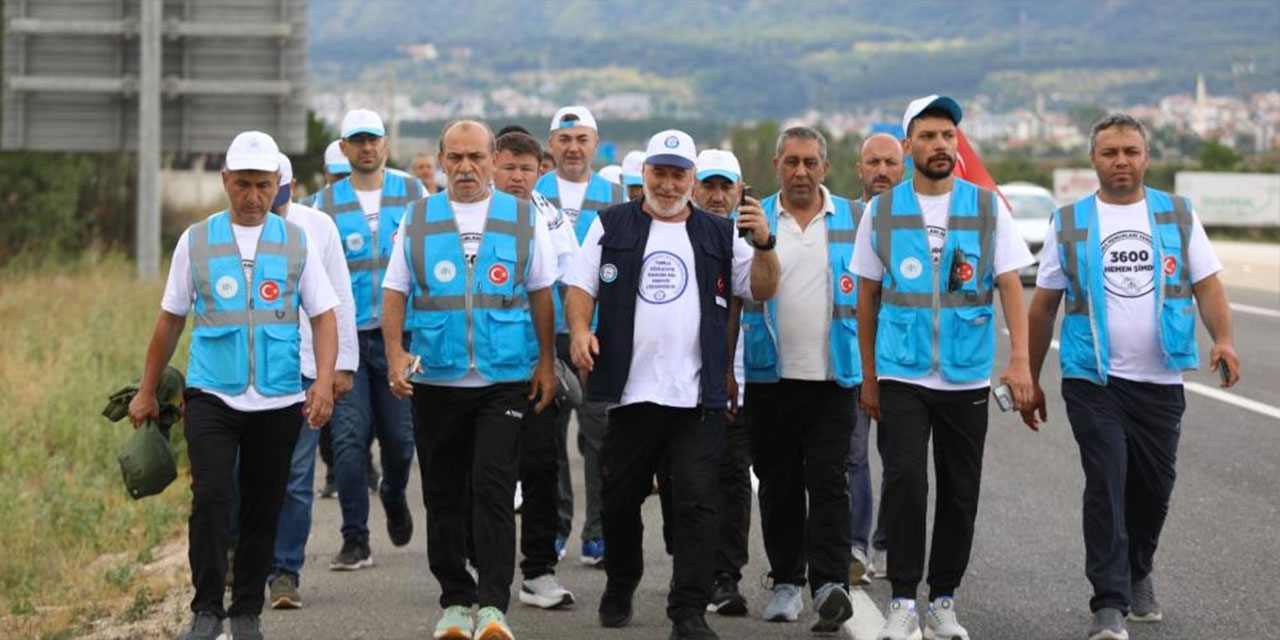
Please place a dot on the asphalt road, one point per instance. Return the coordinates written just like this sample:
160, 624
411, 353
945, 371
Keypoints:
1217, 571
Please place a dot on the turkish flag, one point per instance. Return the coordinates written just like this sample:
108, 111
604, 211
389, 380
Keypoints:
969, 167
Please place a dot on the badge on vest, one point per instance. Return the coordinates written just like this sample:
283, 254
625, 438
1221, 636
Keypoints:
445, 271
910, 268
608, 273
355, 242
227, 286
498, 274
1170, 265
846, 284
269, 291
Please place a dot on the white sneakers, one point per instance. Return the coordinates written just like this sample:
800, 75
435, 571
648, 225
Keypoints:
545, 592
940, 621
900, 621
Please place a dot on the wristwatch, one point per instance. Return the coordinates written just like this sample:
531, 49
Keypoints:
767, 246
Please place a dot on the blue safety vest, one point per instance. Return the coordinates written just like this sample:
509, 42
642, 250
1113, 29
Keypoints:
1085, 350
246, 333
367, 254
600, 195
922, 325
760, 320
465, 315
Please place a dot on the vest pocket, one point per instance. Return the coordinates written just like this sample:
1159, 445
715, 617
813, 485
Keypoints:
1178, 328
278, 359
430, 330
220, 356
1077, 345
973, 336
510, 335
844, 349
757, 350
896, 336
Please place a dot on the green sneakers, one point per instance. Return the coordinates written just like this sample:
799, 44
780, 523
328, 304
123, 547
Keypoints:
455, 624
491, 624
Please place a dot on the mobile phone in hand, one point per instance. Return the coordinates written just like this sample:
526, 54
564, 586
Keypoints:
1004, 397
1224, 372
744, 232
412, 368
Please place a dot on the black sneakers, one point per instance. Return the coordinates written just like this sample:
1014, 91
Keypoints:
245, 628
399, 521
725, 599
693, 628
615, 605
354, 555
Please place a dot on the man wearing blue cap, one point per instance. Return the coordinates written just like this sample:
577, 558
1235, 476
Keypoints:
367, 207
930, 254
661, 355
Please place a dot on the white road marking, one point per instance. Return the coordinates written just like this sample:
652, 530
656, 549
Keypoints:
1259, 311
867, 618
1218, 394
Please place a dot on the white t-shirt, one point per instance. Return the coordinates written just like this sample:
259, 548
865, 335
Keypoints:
804, 295
1011, 254
1129, 275
563, 239
666, 360
470, 217
322, 234
371, 204
317, 297
571, 196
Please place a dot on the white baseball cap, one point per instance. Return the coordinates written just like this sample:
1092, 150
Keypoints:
718, 162
362, 121
918, 106
612, 173
632, 165
286, 170
334, 160
575, 116
253, 151
673, 147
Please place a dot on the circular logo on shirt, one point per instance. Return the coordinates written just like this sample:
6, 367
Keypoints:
355, 242
910, 268
498, 274
720, 286
269, 291
965, 271
671, 142
445, 271
226, 286
663, 277
1127, 267
846, 284
608, 273
1170, 265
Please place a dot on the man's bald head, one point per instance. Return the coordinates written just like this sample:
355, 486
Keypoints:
466, 155
467, 126
880, 164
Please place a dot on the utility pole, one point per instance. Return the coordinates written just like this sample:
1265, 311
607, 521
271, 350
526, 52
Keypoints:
147, 239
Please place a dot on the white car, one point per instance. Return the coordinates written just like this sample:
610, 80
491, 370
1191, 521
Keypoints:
1032, 207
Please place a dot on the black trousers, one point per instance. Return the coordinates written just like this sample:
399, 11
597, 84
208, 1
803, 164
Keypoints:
215, 433
800, 433
1128, 435
468, 452
539, 481
957, 421
639, 436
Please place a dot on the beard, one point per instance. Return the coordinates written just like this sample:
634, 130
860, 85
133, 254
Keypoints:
936, 174
659, 210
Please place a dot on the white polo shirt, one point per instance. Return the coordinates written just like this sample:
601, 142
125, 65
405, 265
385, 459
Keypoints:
804, 295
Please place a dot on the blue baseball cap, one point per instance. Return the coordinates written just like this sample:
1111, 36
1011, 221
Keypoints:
919, 105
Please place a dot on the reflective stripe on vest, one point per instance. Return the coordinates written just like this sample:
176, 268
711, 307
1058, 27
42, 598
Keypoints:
464, 314
246, 333
1085, 346
922, 326
759, 320
368, 254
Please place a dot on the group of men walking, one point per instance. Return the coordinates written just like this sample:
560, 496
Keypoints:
699, 334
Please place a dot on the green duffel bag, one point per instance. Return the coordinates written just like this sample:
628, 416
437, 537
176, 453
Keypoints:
147, 462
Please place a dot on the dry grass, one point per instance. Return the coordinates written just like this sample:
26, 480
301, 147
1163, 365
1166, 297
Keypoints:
73, 545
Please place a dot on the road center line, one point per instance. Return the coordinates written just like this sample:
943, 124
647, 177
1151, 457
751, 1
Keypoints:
1259, 311
1215, 393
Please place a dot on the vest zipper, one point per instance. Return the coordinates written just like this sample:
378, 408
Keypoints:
374, 311
249, 298
935, 349
471, 343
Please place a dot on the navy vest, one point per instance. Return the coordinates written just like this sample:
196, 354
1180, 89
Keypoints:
626, 232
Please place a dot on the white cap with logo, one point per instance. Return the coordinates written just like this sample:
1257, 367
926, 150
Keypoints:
671, 147
575, 116
253, 151
718, 162
362, 121
919, 105
286, 170
632, 166
334, 160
